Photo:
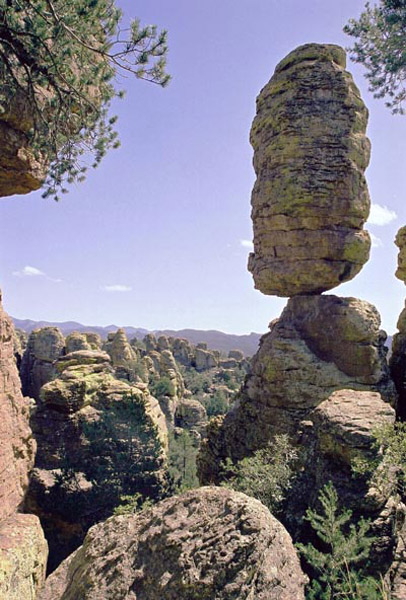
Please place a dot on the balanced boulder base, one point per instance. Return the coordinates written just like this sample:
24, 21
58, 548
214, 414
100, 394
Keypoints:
310, 199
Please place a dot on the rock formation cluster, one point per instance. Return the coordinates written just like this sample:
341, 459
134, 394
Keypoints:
310, 197
208, 543
320, 375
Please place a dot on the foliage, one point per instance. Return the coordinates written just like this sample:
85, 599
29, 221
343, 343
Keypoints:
388, 467
132, 504
266, 475
216, 404
161, 386
340, 562
62, 56
380, 46
122, 458
182, 462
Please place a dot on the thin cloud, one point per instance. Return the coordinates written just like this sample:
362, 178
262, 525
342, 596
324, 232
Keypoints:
376, 242
30, 271
116, 288
247, 244
381, 215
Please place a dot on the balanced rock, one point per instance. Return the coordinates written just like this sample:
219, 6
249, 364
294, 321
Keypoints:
209, 543
76, 341
190, 414
310, 199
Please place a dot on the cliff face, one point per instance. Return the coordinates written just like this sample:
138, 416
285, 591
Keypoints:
310, 198
23, 550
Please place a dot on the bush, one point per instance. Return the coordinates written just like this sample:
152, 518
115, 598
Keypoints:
266, 475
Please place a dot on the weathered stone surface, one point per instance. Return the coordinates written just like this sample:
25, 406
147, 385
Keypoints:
89, 425
236, 354
204, 359
191, 414
44, 347
310, 199
210, 543
23, 557
182, 351
124, 357
17, 447
76, 341
319, 345
400, 242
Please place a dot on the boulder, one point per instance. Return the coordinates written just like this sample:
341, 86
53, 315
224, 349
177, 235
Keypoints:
319, 345
204, 359
76, 341
310, 199
182, 351
191, 414
210, 543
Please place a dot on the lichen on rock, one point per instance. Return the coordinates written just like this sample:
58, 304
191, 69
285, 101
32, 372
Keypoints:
310, 199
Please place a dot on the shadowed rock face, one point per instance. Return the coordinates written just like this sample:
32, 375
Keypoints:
397, 361
207, 544
310, 199
20, 171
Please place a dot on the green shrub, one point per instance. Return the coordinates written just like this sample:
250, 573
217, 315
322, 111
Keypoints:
266, 475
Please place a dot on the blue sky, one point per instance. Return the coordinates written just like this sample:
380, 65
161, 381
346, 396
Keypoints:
158, 235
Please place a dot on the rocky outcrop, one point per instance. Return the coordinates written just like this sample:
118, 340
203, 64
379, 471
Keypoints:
123, 356
44, 347
23, 552
191, 415
319, 345
204, 359
310, 199
76, 341
182, 351
209, 543
99, 438
397, 361
20, 170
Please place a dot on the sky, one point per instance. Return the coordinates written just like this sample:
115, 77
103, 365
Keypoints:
158, 236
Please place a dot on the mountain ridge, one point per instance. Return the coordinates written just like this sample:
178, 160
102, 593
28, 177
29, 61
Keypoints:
215, 340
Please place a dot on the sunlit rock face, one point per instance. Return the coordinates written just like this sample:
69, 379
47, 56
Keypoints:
209, 543
319, 345
310, 199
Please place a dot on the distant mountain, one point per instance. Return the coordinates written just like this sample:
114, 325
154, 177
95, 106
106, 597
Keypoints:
215, 340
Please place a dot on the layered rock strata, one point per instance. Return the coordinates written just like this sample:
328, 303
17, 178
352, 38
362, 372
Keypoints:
310, 199
212, 543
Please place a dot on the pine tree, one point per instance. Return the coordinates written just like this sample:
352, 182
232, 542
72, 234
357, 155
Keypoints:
339, 561
61, 57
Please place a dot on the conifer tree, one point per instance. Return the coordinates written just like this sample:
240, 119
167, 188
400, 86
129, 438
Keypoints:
61, 57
